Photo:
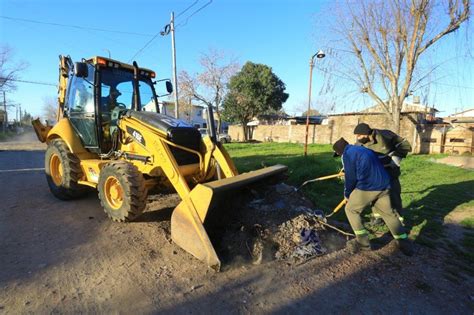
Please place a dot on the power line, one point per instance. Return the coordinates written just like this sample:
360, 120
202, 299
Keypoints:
165, 32
192, 14
31, 82
145, 46
74, 26
184, 11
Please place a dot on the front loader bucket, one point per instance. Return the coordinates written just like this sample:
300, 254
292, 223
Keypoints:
189, 217
40, 130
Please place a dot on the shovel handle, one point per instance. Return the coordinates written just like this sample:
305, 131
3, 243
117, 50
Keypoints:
340, 174
338, 207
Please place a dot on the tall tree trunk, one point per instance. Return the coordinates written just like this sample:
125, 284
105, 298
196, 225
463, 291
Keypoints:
219, 121
245, 130
396, 114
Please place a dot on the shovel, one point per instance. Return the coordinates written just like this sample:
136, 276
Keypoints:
340, 174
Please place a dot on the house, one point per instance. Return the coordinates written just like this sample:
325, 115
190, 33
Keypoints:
407, 107
193, 114
283, 119
466, 113
224, 124
459, 140
270, 119
465, 118
301, 120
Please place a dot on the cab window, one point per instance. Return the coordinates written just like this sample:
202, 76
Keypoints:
81, 94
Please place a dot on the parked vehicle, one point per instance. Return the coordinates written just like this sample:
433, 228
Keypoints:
224, 138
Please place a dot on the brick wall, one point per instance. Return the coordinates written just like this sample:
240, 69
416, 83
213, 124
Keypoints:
424, 138
459, 140
430, 139
338, 126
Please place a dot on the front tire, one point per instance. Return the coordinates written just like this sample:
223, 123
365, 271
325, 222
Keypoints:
63, 171
122, 191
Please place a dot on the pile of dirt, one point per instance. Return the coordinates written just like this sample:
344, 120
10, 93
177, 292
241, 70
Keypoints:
272, 223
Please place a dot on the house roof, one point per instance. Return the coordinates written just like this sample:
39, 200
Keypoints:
368, 113
463, 112
406, 107
167, 103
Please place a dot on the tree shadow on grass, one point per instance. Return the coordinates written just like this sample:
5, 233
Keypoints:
425, 216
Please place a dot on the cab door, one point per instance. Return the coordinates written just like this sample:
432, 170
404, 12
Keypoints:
81, 109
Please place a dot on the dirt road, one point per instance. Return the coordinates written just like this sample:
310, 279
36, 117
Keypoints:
68, 257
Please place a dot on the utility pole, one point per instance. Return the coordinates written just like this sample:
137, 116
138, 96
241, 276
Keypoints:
167, 29
175, 76
320, 54
5, 116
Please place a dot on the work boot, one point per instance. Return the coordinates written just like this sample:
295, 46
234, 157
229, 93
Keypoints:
405, 246
354, 246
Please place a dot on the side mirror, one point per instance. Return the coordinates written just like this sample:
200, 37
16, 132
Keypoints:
169, 87
81, 70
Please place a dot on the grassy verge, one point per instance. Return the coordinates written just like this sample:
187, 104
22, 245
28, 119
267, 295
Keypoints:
4, 136
430, 191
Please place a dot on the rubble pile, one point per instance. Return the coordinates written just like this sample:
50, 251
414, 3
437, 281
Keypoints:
288, 235
276, 222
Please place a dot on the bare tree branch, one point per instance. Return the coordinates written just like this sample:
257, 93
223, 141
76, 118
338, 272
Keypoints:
386, 40
210, 85
8, 69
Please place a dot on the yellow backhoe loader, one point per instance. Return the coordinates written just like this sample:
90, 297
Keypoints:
111, 136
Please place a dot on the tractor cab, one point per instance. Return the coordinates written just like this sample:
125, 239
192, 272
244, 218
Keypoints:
98, 91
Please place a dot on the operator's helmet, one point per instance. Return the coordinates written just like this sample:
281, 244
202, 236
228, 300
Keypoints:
114, 94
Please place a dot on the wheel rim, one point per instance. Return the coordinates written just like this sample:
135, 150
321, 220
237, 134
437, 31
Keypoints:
56, 169
113, 192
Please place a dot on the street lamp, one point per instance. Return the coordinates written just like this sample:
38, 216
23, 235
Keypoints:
320, 54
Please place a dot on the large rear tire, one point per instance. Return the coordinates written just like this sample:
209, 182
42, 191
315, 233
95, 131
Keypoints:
122, 191
63, 171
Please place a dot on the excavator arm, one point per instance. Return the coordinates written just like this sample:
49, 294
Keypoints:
65, 65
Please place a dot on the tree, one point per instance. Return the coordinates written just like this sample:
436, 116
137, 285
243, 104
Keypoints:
26, 118
382, 42
50, 109
210, 85
252, 91
9, 70
187, 86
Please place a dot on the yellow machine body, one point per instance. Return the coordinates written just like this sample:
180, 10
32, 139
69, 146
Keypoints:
153, 153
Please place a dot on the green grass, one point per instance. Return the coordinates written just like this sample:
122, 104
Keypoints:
430, 191
6, 135
468, 223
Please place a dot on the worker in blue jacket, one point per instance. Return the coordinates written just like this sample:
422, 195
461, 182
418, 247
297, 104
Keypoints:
367, 183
